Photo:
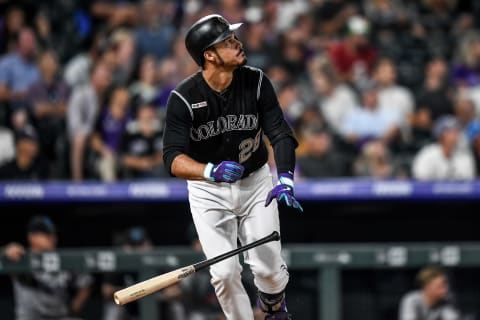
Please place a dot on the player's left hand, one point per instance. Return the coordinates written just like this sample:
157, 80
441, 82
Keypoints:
284, 193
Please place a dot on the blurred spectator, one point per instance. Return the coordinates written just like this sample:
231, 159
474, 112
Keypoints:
13, 22
46, 294
391, 96
47, 99
109, 129
331, 15
141, 148
336, 100
255, 43
289, 100
155, 34
133, 240
7, 145
18, 71
320, 160
438, 17
376, 161
465, 115
432, 301
145, 90
444, 159
465, 72
121, 57
411, 52
370, 121
292, 53
77, 69
114, 14
83, 107
473, 135
434, 98
28, 163
354, 56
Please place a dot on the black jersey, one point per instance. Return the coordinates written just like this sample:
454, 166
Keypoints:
212, 127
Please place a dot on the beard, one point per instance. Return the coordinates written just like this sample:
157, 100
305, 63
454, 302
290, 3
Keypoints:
244, 62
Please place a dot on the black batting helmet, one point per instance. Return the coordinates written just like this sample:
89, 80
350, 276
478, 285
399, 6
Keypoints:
206, 32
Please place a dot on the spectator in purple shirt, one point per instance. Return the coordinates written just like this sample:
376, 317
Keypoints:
109, 129
47, 99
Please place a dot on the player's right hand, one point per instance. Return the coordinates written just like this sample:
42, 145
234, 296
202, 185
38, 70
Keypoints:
14, 251
225, 171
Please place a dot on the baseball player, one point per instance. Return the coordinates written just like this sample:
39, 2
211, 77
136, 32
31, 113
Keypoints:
213, 138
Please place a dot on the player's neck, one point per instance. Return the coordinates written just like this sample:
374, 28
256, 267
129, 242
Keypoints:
218, 80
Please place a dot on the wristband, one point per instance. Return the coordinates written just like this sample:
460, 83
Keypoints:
207, 172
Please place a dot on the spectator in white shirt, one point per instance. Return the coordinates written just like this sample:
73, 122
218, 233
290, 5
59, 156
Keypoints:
444, 160
391, 96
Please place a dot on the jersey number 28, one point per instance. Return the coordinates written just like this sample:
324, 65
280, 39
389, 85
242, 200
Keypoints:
249, 146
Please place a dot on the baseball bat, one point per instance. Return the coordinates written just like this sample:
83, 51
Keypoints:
144, 288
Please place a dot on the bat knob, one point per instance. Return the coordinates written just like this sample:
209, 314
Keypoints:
275, 236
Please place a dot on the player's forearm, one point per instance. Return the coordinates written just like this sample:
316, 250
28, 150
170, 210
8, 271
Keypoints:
284, 152
185, 167
80, 299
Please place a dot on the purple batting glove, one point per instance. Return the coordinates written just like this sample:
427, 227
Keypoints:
225, 171
283, 192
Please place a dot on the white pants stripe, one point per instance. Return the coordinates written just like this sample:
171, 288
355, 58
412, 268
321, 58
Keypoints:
222, 213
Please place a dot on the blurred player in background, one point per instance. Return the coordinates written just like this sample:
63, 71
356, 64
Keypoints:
43, 295
214, 139
433, 300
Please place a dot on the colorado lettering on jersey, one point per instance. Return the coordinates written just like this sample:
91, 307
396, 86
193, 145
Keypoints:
230, 122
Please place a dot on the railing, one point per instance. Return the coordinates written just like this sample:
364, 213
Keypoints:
176, 190
328, 260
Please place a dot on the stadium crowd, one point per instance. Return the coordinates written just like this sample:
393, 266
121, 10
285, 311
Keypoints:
373, 88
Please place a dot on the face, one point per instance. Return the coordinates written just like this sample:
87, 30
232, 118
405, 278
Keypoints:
119, 103
27, 149
318, 143
321, 83
385, 73
369, 99
147, 69
146, 117
101, 77
228, 53
40, 241
27, 44
437, 289
450, 137
48, 64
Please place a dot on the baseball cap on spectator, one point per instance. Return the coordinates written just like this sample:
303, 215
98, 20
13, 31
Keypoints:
41, 224
443, 124
253, 15
357, 25
27, 133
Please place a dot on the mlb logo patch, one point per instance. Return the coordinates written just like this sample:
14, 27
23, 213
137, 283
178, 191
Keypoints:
199, 105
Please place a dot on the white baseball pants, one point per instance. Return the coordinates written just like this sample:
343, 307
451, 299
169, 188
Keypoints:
222, 213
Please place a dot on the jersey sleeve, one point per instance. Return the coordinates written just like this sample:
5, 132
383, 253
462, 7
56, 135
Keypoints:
276, 128
177, 130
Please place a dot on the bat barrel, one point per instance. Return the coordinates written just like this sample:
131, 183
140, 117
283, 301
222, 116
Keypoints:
149, 286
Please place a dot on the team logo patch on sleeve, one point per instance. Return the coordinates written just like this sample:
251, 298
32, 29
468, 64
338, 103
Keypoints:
199, 105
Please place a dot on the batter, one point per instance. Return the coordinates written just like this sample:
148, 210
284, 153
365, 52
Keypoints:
213, 138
